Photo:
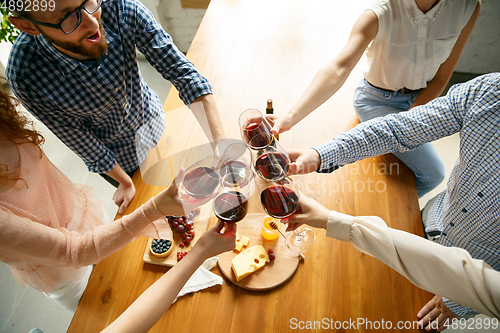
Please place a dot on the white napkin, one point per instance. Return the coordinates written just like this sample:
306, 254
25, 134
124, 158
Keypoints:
202, 278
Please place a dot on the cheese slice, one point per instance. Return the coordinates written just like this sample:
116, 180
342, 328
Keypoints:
244, 240
238, 246
249, 261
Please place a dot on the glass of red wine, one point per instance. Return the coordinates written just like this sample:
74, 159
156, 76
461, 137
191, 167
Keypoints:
231, 203
280, 199
255, 129
273, 162
202, 178
237, 159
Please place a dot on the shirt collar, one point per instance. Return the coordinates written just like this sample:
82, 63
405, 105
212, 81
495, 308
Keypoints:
63, 60
415, 15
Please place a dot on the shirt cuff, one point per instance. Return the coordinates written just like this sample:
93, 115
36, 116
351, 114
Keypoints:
327, 157
459, 310
339, 226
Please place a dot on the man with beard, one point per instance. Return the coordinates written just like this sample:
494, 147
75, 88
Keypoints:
75, 68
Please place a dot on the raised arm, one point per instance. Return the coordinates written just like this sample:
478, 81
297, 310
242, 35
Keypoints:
61, 247
447, 271
160, 51
152, 304
331, 76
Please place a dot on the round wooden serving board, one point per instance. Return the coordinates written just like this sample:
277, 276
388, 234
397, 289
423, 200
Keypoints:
274, 273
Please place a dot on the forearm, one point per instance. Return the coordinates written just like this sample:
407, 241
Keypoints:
325, 84
205, 110
120, 176
155, 301
433, 90
63, 247
446, 271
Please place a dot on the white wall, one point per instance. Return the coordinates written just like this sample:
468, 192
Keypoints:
482, 51
180, 23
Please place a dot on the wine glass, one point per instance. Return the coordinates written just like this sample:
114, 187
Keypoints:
237, 159
231, 203
300, 240
272, 163
202, 178
255, 129
280, 199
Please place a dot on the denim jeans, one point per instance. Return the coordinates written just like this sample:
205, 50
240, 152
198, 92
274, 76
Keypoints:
371, 102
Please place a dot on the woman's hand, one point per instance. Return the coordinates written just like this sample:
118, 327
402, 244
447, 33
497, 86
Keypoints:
212, 242
310, 212
170, 202
280, 124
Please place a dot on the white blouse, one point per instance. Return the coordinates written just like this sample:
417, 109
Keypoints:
410, 45
453, 274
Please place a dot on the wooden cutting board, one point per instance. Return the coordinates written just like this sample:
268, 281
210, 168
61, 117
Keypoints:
273, 273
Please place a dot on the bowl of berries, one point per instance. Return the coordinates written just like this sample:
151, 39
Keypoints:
161, 247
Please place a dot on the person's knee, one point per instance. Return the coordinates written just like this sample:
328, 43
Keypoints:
437, 173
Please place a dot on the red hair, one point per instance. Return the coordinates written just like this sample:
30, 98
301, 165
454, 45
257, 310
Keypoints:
15, 127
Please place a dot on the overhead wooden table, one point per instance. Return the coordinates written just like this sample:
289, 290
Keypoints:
252, 50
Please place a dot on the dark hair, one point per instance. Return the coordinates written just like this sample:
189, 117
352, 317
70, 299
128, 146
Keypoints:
15, 127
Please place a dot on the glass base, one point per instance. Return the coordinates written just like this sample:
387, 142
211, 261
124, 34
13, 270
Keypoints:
300, 240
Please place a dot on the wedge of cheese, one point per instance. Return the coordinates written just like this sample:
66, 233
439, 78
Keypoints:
249, 261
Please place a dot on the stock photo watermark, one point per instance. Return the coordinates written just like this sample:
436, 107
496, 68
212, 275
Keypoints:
366, 324
369, 182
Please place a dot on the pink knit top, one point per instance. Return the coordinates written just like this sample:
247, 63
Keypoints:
50, 228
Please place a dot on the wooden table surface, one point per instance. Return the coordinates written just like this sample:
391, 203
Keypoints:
253, 50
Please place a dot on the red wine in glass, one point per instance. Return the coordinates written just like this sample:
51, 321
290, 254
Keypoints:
257, 135
231, 206
201, 182
272, 166
279, 201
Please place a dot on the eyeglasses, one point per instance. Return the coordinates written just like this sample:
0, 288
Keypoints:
72, 20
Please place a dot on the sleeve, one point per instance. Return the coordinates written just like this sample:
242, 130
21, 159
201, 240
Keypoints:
393, 133
26, 240
160, 51
459, 310
72, 132
446, 271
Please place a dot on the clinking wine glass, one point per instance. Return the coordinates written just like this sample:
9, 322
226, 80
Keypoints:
202, 178
280, 199
255, 129
231, 203
237, 158
272, 163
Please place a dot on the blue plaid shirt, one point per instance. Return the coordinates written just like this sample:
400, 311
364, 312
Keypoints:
468, 211
104, 112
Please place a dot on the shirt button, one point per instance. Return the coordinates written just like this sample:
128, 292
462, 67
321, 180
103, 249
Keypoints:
464, 210
452, 224
117, 88
480, 194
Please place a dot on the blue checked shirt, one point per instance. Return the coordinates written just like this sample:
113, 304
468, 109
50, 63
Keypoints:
104, 111
468, 211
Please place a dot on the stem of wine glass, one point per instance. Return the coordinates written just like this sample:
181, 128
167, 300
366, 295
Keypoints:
299, 235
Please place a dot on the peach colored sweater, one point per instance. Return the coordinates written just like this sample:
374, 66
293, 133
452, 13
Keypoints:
50, 228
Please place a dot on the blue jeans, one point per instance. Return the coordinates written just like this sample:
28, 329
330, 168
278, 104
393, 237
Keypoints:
371, 102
